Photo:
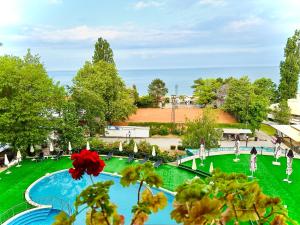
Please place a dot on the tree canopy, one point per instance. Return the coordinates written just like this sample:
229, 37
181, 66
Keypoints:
247, 102
202, 128
157, 90
101, 95
103, 52
282, 112
290, 68
206, 90
29, 101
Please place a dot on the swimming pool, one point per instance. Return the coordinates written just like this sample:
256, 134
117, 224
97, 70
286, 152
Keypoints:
62, 186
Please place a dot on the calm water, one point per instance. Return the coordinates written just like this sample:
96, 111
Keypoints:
182, 77
62, 186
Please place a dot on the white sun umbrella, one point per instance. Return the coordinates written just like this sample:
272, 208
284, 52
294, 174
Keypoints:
277, 154
88, 145
120, 146
31, 149
6, 163
135, 149
211, 167
289, 165
51, 148
70, 147
19, 158
153, 151
194, 166
237, 150
120, 149
202, 154
253, 165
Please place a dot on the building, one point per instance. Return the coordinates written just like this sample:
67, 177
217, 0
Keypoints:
294, 105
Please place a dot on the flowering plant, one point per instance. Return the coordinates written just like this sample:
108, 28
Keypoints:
86, 162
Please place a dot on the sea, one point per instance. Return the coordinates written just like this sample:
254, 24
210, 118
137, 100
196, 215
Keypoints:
182, 78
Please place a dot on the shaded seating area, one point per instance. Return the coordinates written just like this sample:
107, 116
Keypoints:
130, 158
157, 163
146, 158
40, 157
109, 155
200, 173
58, 156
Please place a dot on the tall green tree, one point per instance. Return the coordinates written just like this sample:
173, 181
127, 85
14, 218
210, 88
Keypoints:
265, 87
282, 112
247, 102
135, 94
28, 101
69, 128
157, 90
205, 90
290, 68
202, 128
101, 96
103, 52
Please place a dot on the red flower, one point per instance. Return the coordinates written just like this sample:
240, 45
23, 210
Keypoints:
86, 162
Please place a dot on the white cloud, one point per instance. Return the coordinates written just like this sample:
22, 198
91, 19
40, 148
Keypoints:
10, 12
244, 24
147, 4
212, 2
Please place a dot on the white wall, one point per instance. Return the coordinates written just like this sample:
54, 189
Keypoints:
127, 131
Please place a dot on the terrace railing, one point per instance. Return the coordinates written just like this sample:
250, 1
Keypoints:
52, 201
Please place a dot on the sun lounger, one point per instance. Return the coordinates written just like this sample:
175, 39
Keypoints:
130, 158
109, 156
158, 163
145, 159
41, 157
58, 156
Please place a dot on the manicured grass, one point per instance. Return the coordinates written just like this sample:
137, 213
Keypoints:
268, 129
13, 186
231, 125
269, 177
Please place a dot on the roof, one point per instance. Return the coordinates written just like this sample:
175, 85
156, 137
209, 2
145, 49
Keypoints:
291, 131
236, 131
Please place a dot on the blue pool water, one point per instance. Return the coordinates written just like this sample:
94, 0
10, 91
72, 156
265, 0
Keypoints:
62, 186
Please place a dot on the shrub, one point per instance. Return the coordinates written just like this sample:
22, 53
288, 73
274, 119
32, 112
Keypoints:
173, 147
163, 131
145, 102
180, 147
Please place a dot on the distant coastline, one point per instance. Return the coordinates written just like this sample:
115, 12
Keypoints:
183, 77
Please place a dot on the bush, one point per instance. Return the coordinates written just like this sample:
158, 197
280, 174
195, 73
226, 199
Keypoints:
163, 131
180, 147
145, 102
173, 147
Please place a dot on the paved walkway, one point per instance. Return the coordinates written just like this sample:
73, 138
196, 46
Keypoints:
165, 143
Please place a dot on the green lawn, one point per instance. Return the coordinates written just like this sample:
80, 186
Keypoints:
269, 177
13, 186
268, 129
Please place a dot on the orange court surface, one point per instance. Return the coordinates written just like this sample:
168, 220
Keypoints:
181, 114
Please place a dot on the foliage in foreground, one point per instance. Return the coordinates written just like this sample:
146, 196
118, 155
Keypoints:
225, 198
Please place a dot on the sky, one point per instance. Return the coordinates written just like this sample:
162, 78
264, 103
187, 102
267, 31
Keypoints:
150, 33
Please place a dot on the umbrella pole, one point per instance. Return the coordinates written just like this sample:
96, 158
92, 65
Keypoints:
18, 164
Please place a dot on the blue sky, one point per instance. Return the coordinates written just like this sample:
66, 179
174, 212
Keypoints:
150, 33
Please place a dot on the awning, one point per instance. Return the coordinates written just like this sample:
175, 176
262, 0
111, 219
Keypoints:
236, 131
289, 130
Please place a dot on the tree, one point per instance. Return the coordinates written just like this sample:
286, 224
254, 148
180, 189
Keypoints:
28, 101
135, 94
101, 96
245, 104
103, 52
202, 128
145, 101
265, 87
290, 68
205, 90
69, 127
282, 112
157, 90
226, 199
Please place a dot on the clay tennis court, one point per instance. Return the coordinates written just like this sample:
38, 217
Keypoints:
181, 114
